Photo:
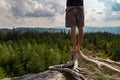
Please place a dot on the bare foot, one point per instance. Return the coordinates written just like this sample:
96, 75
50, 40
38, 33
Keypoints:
77, 47
74, 49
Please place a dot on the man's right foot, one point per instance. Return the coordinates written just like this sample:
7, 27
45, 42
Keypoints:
73, 49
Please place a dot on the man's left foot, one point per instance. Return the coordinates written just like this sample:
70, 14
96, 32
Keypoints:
77, 47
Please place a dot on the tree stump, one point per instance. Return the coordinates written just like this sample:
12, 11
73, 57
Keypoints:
72, 68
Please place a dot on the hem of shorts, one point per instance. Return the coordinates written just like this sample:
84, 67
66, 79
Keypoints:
74, 5
68, 26
76, 26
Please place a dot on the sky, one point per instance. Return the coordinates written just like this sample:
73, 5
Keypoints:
51, 13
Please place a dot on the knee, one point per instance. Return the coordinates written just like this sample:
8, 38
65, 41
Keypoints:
80, 28
73, 28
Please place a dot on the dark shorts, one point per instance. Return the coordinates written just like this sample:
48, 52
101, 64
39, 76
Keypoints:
74, 16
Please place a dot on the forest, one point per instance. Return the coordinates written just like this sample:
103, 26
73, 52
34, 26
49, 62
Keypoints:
32, 52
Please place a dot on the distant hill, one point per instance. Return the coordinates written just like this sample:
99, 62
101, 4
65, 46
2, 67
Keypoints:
115, 30
24, 29
5, 30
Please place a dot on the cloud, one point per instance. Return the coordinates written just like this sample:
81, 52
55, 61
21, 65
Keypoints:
50, 13
31, 13
112, 9
116, 7
35, 8
99, 13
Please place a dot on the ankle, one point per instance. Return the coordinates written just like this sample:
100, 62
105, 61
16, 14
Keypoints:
78, 47
74, 47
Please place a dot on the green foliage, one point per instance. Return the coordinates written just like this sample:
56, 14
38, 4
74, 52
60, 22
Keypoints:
115, 50
98, 76
31, 58
107, 43
28, 55
2, 73
32, 52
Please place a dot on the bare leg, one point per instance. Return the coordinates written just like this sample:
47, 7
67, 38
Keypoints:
73, 36
80, 37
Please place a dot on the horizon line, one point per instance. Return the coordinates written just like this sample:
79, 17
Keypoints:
56, 27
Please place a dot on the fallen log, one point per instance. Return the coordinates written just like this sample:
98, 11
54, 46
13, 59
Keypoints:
99, 64
107, 61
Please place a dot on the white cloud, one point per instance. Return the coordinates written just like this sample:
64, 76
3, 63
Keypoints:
112, 10
29, 12
103, 13
50, 13
33, 8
